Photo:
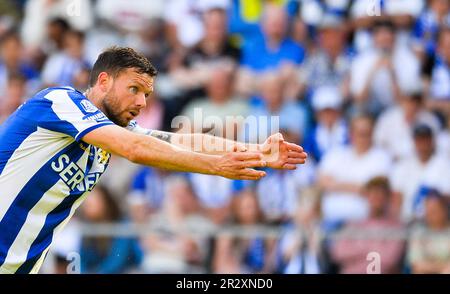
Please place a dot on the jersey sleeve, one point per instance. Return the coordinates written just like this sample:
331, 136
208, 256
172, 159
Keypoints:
71, 113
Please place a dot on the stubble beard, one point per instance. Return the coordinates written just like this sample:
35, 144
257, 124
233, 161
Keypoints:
111, 110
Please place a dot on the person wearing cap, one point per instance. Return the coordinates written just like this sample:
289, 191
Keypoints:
425, 168
393, 130
331, 130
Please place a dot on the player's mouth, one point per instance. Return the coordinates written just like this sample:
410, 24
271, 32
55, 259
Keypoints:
133, 113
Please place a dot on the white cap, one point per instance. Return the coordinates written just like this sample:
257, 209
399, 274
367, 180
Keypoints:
412, 87
332, 21
327, 97
205, 5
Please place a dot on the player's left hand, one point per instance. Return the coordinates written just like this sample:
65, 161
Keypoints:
280, 154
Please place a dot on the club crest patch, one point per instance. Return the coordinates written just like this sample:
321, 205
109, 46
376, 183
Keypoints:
88, 106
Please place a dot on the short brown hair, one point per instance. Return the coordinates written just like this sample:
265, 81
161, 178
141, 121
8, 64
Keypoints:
116, 59
379, 182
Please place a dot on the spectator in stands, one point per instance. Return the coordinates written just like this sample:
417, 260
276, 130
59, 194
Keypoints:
106, 255
214, 196
394, 127
10, 15
138, 25
365, 13
429, 245
56, 29
62, 67
12, 61
169, 249
272, 102
14, 97
438, 77
379, 74
424, 169
313, 12
38, 13
270, 50
330, 130
342, 187
246, 16
427, 26
244, 254
379, 233
300, 247
184, 20
329, 63
279, 191
219, 103
147, 194
299, 32
129, 18
213, 50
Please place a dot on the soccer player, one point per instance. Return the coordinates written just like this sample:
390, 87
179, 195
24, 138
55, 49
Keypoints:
56, 145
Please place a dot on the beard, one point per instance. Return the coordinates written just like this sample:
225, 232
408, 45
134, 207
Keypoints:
112, 110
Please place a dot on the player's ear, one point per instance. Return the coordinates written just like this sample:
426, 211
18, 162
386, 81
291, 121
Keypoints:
103, 81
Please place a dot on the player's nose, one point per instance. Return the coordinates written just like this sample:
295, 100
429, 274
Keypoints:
141, 102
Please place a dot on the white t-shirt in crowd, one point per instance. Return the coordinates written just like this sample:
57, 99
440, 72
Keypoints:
212, 192
345, 166
406, 69
394, 134
79, 15
360, 8
410, 174
130, 17
186, 15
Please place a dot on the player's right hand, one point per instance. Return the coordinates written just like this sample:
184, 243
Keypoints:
240, 166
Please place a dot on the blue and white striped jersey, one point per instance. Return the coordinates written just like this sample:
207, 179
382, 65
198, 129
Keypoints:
46, 171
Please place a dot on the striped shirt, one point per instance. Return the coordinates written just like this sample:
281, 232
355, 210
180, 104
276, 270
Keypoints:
46, 171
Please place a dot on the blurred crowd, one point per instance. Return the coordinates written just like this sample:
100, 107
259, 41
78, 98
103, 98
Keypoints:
363, 85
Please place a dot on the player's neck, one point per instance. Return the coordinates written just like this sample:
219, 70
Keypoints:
91, 95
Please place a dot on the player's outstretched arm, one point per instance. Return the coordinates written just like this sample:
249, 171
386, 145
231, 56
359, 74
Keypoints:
151, 151
203, 143
278, 153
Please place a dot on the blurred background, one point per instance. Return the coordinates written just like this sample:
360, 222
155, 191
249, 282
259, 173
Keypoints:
363, 85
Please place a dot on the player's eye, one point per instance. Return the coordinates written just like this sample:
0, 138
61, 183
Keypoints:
134, 90
147, 95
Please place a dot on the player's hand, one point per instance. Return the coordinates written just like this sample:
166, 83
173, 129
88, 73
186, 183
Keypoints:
240, 165
280, 154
